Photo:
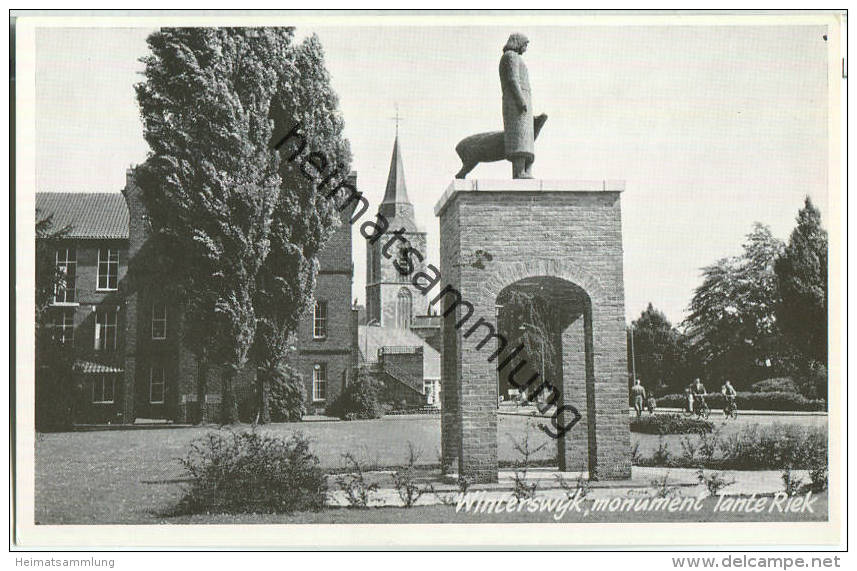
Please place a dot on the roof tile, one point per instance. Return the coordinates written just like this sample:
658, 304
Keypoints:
90, 215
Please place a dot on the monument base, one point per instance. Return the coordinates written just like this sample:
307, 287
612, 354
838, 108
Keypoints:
559, 242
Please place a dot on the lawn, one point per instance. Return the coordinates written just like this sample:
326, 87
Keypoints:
132, 476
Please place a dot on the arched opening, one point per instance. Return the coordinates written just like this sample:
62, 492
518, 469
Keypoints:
548, 321
404, 309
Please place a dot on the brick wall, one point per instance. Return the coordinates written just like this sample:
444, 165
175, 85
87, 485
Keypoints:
572, 235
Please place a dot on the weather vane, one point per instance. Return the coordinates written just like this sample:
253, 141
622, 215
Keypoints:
397, 118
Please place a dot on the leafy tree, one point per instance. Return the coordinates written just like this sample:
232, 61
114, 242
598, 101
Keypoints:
535, 318
304, 216
54, 362
660, 361
802, 274
732, 326
246, 225
210, 182
48, 276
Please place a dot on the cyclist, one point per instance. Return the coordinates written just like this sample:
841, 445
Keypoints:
639, 394
729, 394
698, 391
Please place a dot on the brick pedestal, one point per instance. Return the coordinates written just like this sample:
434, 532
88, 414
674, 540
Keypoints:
564, 234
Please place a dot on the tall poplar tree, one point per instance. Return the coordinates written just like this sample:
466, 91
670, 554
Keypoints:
308, 210
210, 182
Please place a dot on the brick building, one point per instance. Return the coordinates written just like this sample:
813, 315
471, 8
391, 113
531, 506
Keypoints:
390, 296
129, 358
395, 323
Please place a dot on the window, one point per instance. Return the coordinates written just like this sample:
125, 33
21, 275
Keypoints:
104, 389
428, 391
106, 330
319, 382
319, 320
156, 385
67, 268
404, 309
159, 321
401, 264
64, 327
108, 269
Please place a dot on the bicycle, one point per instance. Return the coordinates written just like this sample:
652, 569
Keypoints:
701, 408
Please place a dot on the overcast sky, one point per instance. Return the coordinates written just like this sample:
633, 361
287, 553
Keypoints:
712, 128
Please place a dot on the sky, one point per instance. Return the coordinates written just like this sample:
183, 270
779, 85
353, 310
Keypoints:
711, 127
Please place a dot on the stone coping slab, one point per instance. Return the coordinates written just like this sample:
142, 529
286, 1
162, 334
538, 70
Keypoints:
525, 185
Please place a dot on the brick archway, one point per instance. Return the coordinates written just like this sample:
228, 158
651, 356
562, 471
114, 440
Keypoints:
505, 274
533, 230
552, 317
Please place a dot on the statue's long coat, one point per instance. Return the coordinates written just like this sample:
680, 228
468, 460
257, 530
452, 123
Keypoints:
517, 125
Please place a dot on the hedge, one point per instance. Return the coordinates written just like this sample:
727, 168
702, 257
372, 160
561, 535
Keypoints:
670, 424
775, 385
775, 446
752, 401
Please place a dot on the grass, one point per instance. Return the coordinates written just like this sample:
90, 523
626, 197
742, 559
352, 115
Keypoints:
133, 476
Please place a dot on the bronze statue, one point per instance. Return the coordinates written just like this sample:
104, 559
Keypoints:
520, 129
517, 107
488, 147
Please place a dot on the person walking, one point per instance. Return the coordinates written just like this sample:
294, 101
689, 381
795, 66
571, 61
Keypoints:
638, 391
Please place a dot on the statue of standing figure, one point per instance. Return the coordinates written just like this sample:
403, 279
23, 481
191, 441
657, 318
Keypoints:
517, 107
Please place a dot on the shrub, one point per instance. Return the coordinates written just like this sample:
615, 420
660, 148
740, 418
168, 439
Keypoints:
662, 487
689, 448
752, 401
250, 472
776, 446
580, 489
522, 488
670, 424
713, 482
792, 484
775, 385
358, 490
818, 478
358, 401
287, 396
405, 480
773, 447
812, 380
661, 456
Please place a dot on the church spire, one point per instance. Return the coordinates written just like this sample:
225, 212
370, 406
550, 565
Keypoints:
397, 192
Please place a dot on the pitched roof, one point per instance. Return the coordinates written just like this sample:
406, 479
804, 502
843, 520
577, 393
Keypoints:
394, 337
90, 215
397, 191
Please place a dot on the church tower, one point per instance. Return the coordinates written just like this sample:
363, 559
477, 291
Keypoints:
391, 299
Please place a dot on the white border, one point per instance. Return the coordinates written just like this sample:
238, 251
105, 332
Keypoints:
717, 535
